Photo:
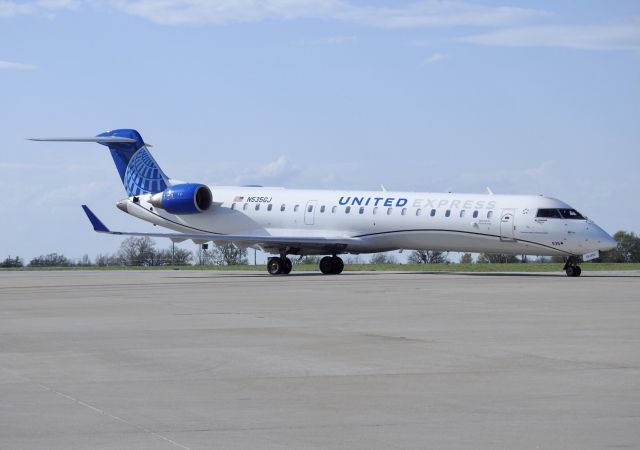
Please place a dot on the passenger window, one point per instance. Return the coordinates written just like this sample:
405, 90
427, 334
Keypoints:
404, 211
310, 208
389, 211
347, 209
322, 209
245, 206
418, 212
489, 214
375, 210
447, 213
333, 209
462, 213
433, 212
257, 206
282, 207
233, 206
269, 207
475, 214
296, 208
361, 210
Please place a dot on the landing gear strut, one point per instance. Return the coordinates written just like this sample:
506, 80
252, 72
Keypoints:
331, 265
279, 265
571, 267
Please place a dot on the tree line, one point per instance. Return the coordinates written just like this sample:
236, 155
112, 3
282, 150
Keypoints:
142, 251
133, 251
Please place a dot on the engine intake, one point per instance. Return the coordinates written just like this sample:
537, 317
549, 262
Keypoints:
188, 198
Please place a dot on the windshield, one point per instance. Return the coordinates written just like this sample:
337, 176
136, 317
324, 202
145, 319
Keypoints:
571, 214
554, 213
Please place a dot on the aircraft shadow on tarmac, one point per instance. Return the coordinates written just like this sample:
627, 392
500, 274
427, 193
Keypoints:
363, 273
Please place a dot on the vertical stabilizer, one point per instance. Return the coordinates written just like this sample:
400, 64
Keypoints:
139, 172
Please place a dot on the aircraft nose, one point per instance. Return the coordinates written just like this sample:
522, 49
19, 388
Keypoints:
608, 243
603, 240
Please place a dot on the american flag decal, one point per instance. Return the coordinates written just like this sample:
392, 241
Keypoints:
238, 198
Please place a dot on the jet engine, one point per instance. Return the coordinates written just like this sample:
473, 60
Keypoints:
188, 198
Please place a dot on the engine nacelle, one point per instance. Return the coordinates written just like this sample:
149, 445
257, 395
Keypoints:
185, 198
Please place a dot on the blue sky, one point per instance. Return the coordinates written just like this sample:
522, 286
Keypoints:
524, 97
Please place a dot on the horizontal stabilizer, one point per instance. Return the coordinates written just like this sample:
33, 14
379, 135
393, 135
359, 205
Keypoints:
139, 172
98, 139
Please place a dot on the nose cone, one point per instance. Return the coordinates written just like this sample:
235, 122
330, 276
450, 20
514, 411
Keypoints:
601, 238
609, 243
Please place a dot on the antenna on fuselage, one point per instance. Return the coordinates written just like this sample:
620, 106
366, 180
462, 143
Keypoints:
489, 190
384, 189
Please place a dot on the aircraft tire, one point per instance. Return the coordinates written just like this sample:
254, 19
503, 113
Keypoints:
338, 265
288, 265
573, 271
275, 266
326, 265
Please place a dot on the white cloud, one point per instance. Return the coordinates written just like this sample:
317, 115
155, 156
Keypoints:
9, 65
435, 13
274, 172
13, 8
10, 9
585, 37
426, 13
434, 58
218, 12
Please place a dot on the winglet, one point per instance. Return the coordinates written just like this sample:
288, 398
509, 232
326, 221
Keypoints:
97, 224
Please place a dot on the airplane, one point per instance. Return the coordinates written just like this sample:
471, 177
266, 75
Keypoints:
286, 222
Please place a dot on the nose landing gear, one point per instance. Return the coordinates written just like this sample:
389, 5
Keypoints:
571, 267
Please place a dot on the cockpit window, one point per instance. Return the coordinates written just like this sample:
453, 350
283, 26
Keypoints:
564, 213
571, 214
548, 213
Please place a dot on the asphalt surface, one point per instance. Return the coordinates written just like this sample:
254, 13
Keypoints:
232, 360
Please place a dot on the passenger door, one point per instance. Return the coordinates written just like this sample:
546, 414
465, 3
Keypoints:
507, 225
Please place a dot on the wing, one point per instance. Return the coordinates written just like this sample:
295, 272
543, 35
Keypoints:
290, 244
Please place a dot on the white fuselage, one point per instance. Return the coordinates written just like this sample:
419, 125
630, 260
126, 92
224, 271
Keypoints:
384, 221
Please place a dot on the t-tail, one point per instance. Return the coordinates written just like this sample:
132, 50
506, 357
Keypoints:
139, 172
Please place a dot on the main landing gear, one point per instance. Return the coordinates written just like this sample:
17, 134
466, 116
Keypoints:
571, 267
281, 265
331, 265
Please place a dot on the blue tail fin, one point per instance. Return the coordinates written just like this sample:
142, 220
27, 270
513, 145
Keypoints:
138, 170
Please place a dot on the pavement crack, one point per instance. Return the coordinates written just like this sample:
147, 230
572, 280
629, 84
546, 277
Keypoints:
95, 409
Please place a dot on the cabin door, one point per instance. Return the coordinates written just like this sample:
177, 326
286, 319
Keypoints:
310, 212
507, 225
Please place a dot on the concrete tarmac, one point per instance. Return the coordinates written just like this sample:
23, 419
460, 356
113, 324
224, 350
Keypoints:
239, 360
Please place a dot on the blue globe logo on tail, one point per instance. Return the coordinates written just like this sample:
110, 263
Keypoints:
143, 176
139, 172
